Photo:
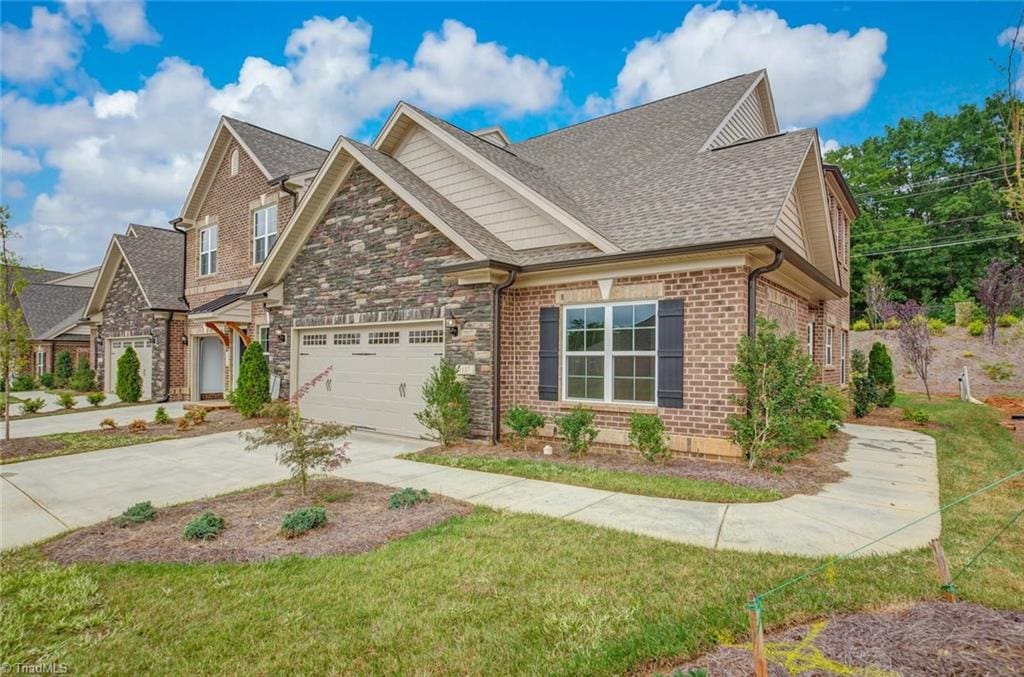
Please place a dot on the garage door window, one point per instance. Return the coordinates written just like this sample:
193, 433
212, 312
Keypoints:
426, 336
383, 337
314, 340
346, 339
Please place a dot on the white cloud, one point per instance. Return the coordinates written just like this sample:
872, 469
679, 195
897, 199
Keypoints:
124, 21
14, 189
14, 161
815, 74
829, 145
1011, 35
131, 155
50, 45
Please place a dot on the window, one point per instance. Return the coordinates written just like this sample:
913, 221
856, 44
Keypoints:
346, 339
263, 336
383, 337
843, 337
426, 336
314, 340
40, 362
810, 339
264, 232
828, 345
208, 251
610, 352
234, 162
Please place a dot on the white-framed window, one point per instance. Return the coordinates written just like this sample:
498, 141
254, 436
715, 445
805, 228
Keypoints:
610, 352
828, 345
208, 251
314, 340
40, 362
234, 162
263, 336
264, 232
383, 337
426, 336
810, 339
843, 338
349, 338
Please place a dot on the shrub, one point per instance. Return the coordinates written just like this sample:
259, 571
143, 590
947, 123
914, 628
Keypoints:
302, 520
46, 380
936, 326
447, 412
860, 325
998, 371
63, 367
647, 435
96, 399
523, 423
23, 382
252, 391
892, 323
576, 429
137, 514
919, 416
66, 400
863, 391
976, 328
1006, 320
276, 409
129, 378
160, 416
137, 426
407, 498
206, 527
108, 424
84, 378
968, 353
196, 415
183, 423
32, 405
880, 371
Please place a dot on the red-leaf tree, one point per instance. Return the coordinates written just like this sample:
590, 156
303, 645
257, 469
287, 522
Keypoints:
1000, 291
914, 338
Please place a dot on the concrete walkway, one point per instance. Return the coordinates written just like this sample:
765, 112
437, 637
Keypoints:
893, 480
85, 417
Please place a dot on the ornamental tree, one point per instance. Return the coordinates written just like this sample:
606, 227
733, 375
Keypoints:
999, 291
914, 337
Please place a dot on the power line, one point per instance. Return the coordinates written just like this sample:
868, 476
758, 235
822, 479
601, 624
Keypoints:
910, 194
886, 231
936, 179
935, 246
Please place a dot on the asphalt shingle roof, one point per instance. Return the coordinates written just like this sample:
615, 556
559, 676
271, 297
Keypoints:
46, 306
39, 275
156, 256
280, 154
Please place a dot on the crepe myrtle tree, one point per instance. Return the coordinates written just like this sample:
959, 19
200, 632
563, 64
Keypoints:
999, 291
913, 337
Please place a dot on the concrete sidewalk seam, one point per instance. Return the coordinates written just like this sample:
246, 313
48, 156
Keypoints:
37, 503
721, 524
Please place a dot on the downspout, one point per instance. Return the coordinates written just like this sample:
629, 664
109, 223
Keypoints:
752, 291
184, 276
281, 182
496, 357
167, 360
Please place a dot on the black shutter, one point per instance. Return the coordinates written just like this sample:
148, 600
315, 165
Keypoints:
548, 368
670, 353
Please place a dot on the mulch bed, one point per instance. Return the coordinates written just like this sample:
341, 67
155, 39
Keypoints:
358, 520
217, 421
892, 417
805, 475
928, 638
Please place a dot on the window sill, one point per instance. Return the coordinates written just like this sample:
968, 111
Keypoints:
610, 407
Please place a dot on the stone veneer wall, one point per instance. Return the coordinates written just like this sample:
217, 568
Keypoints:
374, 259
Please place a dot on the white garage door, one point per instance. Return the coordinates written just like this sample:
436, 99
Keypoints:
377, 377
144, 349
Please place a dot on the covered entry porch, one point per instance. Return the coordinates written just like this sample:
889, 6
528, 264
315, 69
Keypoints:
219, 332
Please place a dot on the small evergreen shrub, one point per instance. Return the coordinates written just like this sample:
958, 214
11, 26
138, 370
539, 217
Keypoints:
196, 415
577, 430
998, 371
46, 380
861, 325
66, 400
206, 527
919, 416
84, 378
863, 392
253, 389
137, 514
129, 376
647, 435
138, 426
880, 371
892, 324
407, 498
302, 520
32, 405
63, 367
1006, 320
936, 326
96, 399
23, 382
446, 415
108, 424
524, 423
160, 416
976, 328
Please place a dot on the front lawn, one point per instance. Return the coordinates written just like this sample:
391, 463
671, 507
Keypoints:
494, 592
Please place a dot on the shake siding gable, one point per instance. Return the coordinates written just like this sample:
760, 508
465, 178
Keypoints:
746, 123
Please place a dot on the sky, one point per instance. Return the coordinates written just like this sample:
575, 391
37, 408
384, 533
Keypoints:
108, 106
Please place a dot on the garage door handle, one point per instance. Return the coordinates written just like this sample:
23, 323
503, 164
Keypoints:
401, 389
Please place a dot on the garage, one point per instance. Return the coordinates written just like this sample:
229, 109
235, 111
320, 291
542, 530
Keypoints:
143, 347
377, 377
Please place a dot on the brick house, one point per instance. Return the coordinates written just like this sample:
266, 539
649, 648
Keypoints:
52, 303
614, 263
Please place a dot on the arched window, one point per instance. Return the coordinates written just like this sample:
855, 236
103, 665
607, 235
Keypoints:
234, 162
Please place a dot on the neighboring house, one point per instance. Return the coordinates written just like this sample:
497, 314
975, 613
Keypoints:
52, 304
137, 301
617, 262
239, 203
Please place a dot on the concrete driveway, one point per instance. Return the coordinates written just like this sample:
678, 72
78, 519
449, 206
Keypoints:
89, 419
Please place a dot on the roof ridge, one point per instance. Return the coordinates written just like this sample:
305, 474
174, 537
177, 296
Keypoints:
271, 131
637, 106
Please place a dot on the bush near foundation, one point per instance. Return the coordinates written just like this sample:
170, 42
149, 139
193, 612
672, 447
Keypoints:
880, 371
253, 389
129, 376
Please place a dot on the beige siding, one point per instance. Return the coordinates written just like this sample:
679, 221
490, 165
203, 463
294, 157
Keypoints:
504, 214
746, 122
790, 227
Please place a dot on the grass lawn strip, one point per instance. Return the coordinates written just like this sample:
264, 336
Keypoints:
662, 486
81, 406
497, 593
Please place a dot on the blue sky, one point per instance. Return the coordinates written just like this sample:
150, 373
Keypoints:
107, 108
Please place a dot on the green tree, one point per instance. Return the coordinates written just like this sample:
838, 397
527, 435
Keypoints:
253, 388
129, 377
880, 373
863, 393
63, 368
84, 377
446, 415
14, 333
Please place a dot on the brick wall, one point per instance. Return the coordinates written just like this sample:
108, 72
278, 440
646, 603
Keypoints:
51, 348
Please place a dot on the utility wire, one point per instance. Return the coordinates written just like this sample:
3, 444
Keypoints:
935, 246
886, 231
936, 179
981, 231
910, 194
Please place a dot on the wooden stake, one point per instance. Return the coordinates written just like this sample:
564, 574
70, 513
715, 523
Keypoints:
757, 641
943, 567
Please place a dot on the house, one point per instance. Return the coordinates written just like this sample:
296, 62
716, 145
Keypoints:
614, 263
52, 303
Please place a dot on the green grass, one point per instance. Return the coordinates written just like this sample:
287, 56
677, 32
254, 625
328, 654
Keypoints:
492, 592
77, 443
662, 486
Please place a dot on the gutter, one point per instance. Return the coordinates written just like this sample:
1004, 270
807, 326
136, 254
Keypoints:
496, 356
752, 290
281, 182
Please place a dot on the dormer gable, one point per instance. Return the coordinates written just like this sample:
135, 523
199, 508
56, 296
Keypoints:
753, 117
495, 135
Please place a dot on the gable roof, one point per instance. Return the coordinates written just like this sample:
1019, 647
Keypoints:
155, 258
277, 154
52, 307
39, 275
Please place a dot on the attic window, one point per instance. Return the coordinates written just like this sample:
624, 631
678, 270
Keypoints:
234, 162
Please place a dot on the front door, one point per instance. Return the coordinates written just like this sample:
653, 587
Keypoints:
211, 366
